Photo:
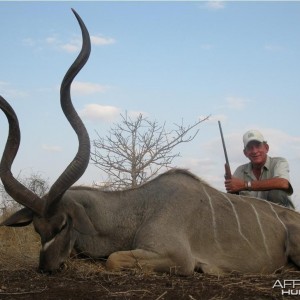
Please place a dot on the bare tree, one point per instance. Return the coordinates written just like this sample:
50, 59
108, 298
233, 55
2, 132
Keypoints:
136, 150
35, 182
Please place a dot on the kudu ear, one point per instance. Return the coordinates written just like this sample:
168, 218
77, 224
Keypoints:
81, 221
22, 217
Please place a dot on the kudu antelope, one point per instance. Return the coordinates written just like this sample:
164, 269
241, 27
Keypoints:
174, 223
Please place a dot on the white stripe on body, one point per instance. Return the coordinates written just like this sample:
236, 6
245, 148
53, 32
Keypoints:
280, 221
238, 221
262, 231
213, 219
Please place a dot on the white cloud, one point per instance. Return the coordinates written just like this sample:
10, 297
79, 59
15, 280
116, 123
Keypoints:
9, 92
88, 88
236, 103
215, 5
101, 40
96, 112
206, 46
73, 45
281, 143
273, 48
29, 42
70, 48
205, 168
51, 40
3, 83
232, 103
52, 148
194, 163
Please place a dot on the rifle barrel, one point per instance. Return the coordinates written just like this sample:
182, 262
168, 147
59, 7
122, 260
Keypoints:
223, 143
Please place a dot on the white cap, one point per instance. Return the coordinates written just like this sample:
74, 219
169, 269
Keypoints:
252, 135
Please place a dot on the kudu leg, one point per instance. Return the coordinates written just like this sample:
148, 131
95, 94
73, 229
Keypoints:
145, 261
293, 244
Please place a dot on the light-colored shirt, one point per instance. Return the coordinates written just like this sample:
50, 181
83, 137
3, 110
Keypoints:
274, 167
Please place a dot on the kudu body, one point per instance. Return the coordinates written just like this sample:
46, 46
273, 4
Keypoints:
175, 223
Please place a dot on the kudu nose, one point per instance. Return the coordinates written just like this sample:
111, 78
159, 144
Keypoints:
51, 271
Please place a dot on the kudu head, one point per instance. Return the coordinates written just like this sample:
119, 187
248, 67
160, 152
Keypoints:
56, 224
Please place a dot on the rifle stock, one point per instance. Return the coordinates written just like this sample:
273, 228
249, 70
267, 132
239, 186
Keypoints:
228, 174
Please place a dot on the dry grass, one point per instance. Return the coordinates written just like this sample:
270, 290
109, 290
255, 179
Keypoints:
19, 247
19, 250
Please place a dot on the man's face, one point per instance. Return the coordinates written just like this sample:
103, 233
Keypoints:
257, 152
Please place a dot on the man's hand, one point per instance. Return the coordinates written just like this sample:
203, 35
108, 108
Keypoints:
234, 185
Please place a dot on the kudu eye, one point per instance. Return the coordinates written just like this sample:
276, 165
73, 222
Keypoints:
60, 228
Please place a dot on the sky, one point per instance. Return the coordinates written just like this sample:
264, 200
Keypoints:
237, 62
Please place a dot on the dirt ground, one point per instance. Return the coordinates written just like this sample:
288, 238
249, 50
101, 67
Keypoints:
81, 279
77, 283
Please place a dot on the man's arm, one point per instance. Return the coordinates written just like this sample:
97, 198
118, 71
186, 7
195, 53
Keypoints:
235, 185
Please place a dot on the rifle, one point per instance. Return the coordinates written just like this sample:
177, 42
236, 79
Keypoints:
227, 166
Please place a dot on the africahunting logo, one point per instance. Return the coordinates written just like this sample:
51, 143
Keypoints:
289, 287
